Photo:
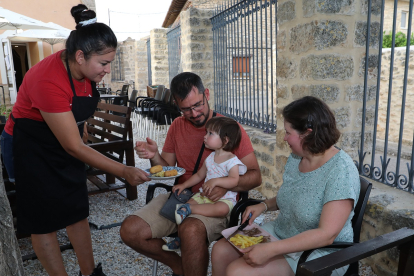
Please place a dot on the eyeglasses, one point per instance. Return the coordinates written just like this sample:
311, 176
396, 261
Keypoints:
197, 107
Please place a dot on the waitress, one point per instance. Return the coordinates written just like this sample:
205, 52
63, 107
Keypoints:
56, 97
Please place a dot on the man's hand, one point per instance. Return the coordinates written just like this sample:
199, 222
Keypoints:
135, 176
146, 150
215, 193
209, 186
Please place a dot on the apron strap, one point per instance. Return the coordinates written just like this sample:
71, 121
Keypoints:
70, 77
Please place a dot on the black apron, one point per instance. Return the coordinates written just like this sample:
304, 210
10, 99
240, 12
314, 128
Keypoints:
50, 183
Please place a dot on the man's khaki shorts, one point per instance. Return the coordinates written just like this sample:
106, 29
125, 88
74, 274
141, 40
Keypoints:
162, 227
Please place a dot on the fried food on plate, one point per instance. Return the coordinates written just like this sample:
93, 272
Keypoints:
243, 241
159, 174
155, 169
171, 173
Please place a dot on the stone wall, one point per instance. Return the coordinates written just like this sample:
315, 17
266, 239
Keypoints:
197, 45
396, 96
321, 52
159, 57
141, 72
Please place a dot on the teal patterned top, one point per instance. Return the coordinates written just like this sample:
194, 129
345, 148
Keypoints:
302, 195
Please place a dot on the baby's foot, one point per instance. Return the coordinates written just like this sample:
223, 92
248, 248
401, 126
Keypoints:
173, 245
182, 212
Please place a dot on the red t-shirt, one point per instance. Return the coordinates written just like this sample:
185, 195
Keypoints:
185, 141
46, 87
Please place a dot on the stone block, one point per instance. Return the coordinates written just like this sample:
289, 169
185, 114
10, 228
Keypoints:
356, 93
327, 93
281, 40
325, 67
299, 91
281, 161
280, 143
286, 12
302, 38
194, 46
375, 7
369, 116
318, 35
194, 22
198, 37
361, 31
285, 68
342, 116
267, 159
281, 92
311, 7
264, 171
372, 67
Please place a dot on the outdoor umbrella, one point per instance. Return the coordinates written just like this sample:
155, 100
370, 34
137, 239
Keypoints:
12, 21
58, 35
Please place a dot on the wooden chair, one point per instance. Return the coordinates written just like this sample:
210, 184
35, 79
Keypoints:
403, 239
111, 135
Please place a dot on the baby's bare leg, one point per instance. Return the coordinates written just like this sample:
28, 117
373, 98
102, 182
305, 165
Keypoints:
217, 209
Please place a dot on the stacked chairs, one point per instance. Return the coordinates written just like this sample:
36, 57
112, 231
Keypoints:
132, 103
141, 109
155, 115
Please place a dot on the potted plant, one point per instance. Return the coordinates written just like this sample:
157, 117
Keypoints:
4, 113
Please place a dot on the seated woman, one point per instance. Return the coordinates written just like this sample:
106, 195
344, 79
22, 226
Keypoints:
316, 201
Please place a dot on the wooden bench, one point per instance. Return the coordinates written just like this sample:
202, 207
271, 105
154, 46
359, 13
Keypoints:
110, 133
402, 238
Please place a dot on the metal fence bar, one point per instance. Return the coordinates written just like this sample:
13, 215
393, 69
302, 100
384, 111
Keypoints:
247, 92
374, 172
383, 170
402, 183
174, 52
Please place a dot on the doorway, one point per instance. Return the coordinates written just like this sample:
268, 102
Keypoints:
20, 61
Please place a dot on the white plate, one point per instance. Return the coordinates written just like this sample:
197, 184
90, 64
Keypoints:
180, 172
227, 232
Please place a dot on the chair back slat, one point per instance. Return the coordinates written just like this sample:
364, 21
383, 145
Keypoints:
360, 207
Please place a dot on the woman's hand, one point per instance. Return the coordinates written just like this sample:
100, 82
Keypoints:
258, 254
135, 176
146, 150
255, 210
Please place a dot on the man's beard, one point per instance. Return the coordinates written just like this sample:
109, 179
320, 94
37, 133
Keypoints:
200, 123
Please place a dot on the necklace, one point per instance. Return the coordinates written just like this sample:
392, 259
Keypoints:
80, 87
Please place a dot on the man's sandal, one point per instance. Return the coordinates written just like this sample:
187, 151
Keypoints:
182, 212
173, 245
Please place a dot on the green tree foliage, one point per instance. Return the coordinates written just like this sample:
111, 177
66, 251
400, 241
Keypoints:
400, 40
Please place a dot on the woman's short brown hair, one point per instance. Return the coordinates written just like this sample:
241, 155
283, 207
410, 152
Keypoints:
228, 130
310, 112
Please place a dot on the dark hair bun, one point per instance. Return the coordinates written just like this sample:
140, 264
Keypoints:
81, 13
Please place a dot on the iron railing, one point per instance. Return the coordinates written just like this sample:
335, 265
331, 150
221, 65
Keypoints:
379, 162
149, 62
244, 35
174, 52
